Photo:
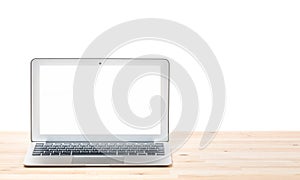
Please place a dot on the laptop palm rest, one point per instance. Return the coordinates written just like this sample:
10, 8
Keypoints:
98, 160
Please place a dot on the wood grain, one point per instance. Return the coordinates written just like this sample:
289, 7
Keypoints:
232, 155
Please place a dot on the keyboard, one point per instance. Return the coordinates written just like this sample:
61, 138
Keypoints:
99, 149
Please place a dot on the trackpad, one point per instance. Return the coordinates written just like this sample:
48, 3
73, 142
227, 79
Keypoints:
98, 160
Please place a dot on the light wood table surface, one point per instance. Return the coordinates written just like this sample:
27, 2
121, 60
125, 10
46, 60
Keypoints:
231, 155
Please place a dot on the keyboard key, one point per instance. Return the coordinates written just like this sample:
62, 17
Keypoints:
65, 153
54, 153
160, 154
46, 153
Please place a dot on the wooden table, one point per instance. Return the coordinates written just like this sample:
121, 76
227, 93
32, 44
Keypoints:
232, 155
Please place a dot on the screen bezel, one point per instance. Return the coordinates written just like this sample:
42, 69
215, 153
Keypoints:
34, 92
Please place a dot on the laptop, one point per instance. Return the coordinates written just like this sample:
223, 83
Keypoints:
99, 112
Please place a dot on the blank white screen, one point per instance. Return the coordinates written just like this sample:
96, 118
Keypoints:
57, 115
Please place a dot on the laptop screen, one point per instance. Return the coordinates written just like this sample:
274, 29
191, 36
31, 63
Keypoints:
56, 106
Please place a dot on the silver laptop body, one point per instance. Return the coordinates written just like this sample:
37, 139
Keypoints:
62, 147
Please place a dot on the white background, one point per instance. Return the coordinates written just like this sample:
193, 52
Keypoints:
257, 44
